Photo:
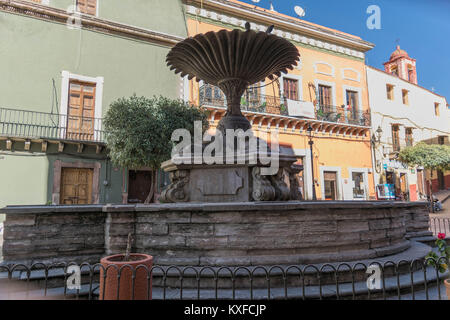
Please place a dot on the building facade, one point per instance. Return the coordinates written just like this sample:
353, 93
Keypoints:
327, 92
62, 63
403, 114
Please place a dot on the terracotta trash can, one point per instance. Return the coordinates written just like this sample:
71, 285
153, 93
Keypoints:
142, 285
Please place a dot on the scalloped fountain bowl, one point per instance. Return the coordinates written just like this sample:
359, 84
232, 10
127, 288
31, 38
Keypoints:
233, 60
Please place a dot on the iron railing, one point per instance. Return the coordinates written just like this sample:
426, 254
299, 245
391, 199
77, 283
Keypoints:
343, 115
41, 125
213, 96
440, 225
255, 102
402, 280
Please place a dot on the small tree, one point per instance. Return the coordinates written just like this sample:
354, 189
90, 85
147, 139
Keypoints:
429, 156
138, 131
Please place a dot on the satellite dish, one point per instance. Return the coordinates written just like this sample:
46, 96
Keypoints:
299, 11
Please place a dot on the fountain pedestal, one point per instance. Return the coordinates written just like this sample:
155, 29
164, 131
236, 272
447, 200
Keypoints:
233, 60
231, 182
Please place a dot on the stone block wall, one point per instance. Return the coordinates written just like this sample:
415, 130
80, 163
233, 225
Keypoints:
215, 234
54, 234
417, 220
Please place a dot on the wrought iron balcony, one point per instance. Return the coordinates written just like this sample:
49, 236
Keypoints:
49, 126
343, 114
213, 96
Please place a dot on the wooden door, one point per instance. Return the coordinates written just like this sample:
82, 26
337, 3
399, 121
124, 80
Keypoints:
395, 137
330, 185
403, 187
352, 102
76, 186
81, 111
139, 184
441, 180
420, 187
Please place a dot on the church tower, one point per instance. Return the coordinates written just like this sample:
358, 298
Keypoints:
401, 65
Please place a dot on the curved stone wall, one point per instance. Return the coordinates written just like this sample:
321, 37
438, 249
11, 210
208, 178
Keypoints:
215, 233
269, 233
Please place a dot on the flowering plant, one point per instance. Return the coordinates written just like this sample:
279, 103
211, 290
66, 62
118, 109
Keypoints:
443, 257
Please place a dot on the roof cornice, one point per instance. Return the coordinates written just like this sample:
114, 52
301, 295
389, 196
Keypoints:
282, 22
88, 22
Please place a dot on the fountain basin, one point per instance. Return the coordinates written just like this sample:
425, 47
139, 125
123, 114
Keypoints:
200, 234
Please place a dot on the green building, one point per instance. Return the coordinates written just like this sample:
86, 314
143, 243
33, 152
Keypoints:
62, 62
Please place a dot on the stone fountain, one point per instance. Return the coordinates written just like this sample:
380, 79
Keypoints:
220, 221
233, 60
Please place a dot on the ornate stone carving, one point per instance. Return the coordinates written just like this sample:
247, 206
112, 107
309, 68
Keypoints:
282, 192
226, 182
262, 188
293, 182
176, 192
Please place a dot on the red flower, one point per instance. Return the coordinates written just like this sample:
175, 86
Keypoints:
441, 236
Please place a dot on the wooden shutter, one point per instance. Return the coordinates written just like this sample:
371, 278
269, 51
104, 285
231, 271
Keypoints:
395, 137
352, 101
87, 6
81, 111
290, 88
325, 95
408, 137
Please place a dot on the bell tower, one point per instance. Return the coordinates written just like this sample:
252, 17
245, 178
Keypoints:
401, 65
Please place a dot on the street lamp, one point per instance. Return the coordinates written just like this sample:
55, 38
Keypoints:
311, 142
376, 141
379, 133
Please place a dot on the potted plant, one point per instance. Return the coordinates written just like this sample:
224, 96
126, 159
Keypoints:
442, 259
126, 264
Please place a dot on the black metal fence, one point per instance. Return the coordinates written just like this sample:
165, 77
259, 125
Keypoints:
42, 125
440, 225
401, 280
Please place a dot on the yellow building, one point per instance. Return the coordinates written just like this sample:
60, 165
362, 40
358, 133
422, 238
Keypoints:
326, 92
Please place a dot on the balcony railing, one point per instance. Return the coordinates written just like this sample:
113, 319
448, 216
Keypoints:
343, 115
213, 96
40, 125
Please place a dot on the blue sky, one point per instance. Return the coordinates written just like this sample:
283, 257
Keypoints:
422, 28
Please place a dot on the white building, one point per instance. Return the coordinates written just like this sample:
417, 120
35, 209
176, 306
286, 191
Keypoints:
406, 114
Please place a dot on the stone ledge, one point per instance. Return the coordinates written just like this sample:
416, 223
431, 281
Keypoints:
215, 207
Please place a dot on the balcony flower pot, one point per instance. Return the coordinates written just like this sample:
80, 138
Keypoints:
109, 289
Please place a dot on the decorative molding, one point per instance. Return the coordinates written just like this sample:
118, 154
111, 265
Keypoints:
262, 188
332, 74
88, 22
27, 146
176, 191
358, 74
299, 38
